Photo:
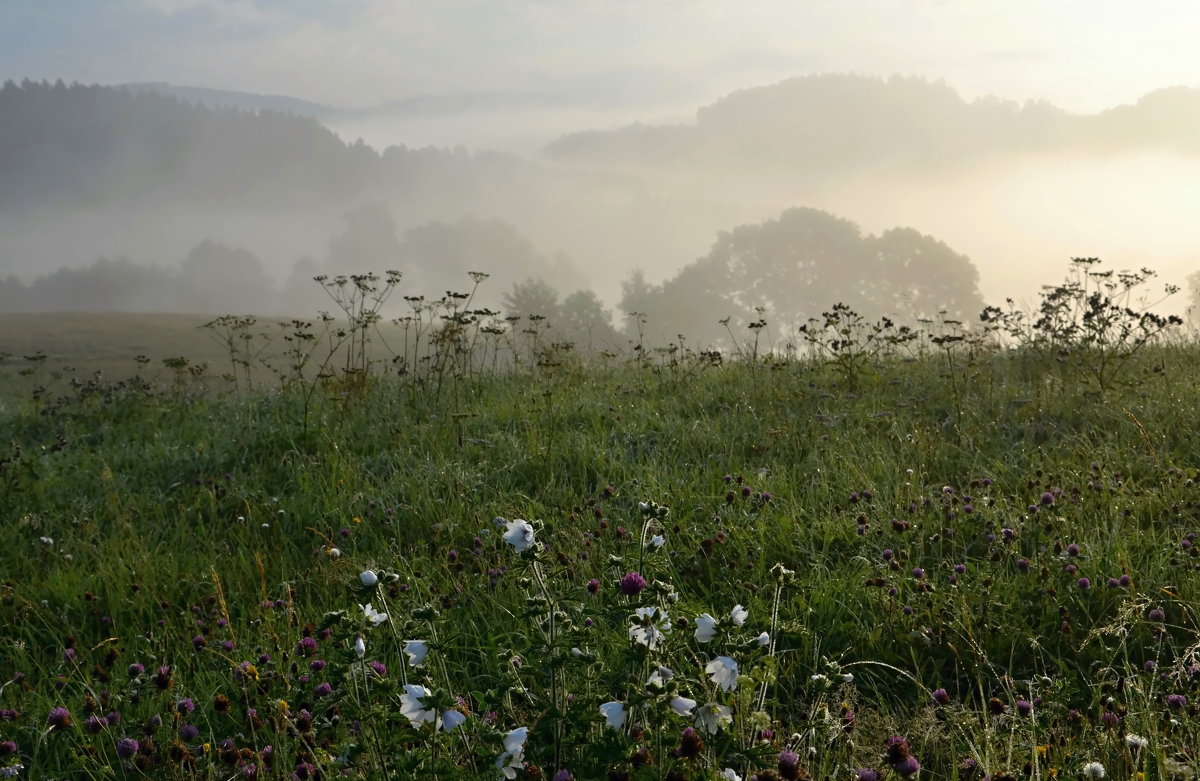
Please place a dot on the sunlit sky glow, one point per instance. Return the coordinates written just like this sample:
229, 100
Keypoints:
646, 55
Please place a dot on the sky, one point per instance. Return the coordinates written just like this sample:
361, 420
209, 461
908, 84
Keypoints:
648, 58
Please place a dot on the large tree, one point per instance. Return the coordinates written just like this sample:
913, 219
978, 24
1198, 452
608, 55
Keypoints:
800, 264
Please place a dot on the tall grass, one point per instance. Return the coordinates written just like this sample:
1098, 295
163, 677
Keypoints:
978, 548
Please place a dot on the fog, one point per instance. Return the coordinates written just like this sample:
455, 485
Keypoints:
572, 193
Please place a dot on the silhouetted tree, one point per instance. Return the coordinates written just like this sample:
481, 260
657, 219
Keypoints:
583, 319
368, 244
532, 297
105, 286
218, 279
438, 257
800, 264
14, 295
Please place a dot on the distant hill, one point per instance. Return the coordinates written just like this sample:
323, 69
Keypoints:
839, 124
242, 101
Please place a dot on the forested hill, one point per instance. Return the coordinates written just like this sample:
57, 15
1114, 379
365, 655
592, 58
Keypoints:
75, 146
838, 123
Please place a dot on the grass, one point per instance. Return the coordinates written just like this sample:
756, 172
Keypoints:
913, 541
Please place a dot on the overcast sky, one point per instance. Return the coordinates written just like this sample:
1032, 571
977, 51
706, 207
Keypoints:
648, 55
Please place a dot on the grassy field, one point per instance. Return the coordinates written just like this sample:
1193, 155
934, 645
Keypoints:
937, 558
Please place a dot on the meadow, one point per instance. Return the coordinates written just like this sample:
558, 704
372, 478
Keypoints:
957, 552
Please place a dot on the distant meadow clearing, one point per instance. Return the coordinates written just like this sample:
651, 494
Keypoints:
865, 551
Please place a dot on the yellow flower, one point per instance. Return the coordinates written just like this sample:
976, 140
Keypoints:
1041, 750
206, 747
356, 519
283, 706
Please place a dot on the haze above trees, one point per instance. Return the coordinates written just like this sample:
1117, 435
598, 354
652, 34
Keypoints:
136, 200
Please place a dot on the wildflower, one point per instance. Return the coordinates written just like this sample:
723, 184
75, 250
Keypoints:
723, 672
710, 717
416, 650
738, 615
377, 667
866, 774
413, 709
632, 584
322, 690
907, 766
657, 541
368, 578
706, 628
1176, 701
646, 632
1024, 707
659, 677
189, 732
789, 765
1093, 770
451, 719
682, 706
1157, 615
593, 586
614, 713
941, 697
1136, 742
729, 774
519, 534
127, 748
59, 718
1084, 584
373, 615
762, 639
360, 647
334, 553
513, 758
563, 775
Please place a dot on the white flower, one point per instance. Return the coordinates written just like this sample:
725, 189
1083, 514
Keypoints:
646, 632
368, 578
1136, 742
415, 650
710, 717
729, 774
334, 553
1094, 770
848, 677
723, 672
706, 628
413, 709
657, 540
451, 719
682, 706
47, 540
763, 639
360, 647
659, 677
738, 615
513, 758
614, 713
373, 615
518, 534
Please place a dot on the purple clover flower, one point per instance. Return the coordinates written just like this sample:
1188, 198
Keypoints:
632, 584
